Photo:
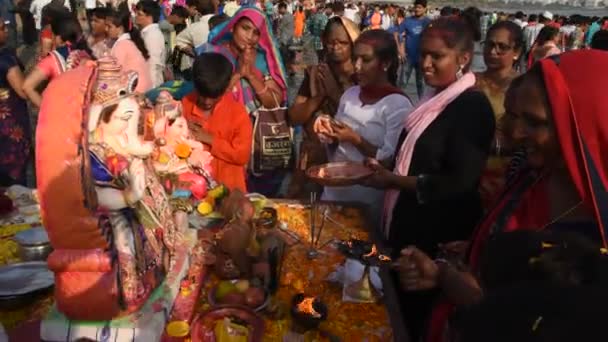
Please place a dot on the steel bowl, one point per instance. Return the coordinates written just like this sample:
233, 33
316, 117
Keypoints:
33, 244
35, 253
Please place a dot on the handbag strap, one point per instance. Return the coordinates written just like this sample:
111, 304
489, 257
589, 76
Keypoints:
277, 103
256, 120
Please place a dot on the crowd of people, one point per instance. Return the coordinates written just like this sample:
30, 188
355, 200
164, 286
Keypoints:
489, 185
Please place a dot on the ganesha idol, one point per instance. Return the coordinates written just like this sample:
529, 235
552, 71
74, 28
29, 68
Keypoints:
178, 154
106, 213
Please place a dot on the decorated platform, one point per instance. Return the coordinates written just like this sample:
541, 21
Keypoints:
145, 325
378, 321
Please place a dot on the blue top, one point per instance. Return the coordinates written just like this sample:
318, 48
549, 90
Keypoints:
412, 27
591, 31
395, 28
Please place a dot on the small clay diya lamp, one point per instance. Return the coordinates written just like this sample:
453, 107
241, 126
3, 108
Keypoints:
307, 313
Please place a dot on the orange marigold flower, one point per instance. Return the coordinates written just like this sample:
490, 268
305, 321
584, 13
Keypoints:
183, 151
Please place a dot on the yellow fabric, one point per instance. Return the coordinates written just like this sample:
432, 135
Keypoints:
351, 29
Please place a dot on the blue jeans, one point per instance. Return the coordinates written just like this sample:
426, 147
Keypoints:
406, 72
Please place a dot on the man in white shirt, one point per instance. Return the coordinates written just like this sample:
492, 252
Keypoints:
351, 12
147, 14
519, 19
195, 34
231, 7
531, 31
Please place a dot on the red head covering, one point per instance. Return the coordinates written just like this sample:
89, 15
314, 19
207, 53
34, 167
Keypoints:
574, 86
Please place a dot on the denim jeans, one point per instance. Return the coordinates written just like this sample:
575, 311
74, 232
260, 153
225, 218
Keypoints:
406, 72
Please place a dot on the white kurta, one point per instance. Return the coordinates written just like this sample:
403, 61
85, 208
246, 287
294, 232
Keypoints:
155, 43
380, 124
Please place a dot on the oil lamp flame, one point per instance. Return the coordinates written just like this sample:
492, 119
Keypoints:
384, 258
372, 253
306, 306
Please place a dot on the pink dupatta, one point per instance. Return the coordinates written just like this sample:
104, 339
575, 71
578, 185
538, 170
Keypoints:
415, 124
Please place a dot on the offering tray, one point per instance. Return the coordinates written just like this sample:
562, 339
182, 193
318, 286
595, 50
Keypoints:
214, 303
202, 327
338, 173
24, 278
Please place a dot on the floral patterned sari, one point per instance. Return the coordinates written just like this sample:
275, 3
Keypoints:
136, 238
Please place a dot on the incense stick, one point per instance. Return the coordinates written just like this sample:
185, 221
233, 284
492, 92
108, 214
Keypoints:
312, 218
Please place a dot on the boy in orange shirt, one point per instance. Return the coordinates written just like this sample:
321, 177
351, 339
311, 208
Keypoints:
217, 120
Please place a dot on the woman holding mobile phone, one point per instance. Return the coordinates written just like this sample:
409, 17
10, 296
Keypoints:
369, 118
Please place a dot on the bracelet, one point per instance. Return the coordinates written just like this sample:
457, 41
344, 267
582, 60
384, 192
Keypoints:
420, 185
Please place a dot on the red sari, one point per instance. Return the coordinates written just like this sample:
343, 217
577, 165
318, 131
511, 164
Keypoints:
573, 82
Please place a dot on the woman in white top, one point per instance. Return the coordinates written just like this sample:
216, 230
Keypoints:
370, 116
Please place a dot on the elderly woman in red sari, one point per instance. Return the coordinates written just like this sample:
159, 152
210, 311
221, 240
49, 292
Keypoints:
563, 185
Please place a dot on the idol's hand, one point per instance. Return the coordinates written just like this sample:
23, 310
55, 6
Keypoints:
137, 181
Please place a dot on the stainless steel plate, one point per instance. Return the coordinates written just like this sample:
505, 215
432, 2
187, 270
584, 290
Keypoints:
25, 277
32, 237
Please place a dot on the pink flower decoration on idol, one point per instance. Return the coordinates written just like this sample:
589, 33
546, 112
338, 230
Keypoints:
201, 158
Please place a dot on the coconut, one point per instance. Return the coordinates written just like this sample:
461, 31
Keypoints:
229, 204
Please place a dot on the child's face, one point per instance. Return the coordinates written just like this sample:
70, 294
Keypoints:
98, 25
112, 30
208, 103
